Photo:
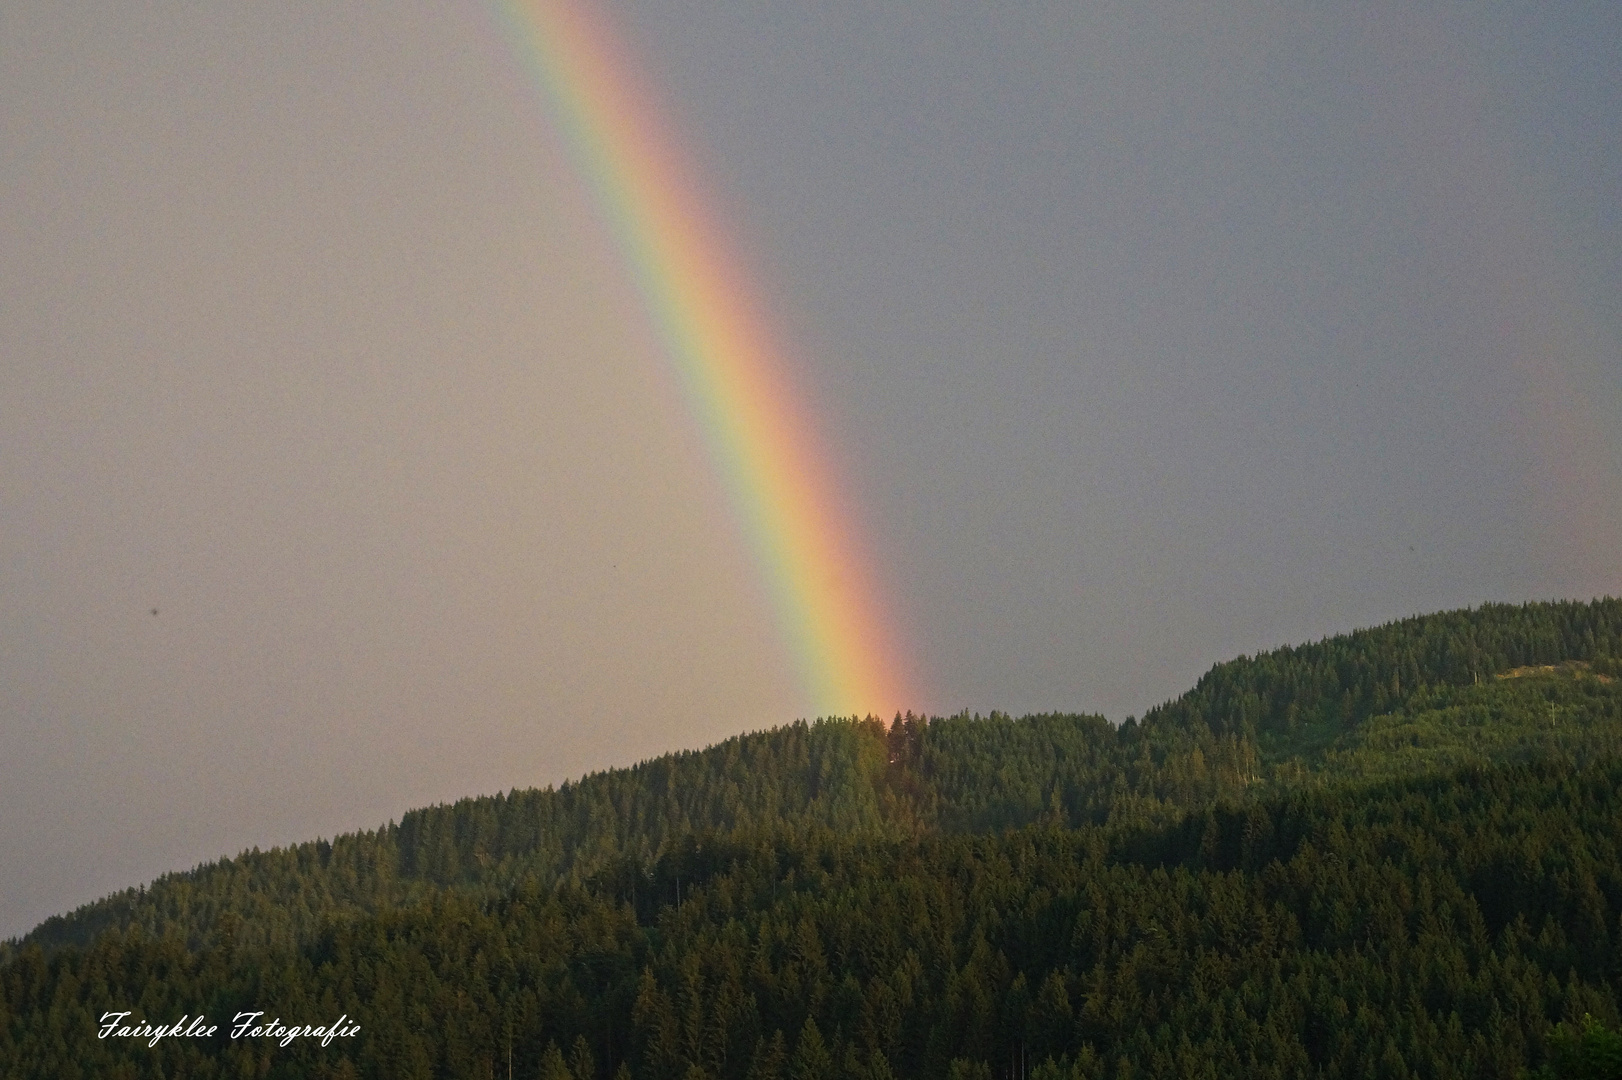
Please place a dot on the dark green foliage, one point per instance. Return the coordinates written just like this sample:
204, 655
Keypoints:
1367, 857
1341, 681
1586, 1051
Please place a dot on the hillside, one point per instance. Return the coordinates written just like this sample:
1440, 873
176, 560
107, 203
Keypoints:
1408, 695
1392, 852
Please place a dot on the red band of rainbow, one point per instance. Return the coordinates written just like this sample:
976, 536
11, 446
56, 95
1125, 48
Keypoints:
803, 534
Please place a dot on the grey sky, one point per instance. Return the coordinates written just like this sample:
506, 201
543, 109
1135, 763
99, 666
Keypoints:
1152, 333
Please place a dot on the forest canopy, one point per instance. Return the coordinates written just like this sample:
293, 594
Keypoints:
1390, 853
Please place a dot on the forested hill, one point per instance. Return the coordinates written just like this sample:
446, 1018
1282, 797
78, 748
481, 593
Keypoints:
1421, 694
1341, 681
1393, 853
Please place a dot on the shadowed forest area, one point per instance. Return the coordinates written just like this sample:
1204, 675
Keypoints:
1394, 853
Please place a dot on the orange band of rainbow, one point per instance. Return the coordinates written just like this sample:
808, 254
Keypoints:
737, 384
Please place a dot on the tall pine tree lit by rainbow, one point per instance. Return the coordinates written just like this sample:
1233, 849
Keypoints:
778, 476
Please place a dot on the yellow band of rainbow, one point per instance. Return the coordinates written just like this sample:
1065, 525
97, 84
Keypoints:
778, 477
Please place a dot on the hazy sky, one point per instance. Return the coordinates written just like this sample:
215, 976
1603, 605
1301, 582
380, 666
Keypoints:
1148, 334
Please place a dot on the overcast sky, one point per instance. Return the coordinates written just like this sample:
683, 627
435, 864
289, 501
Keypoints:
1148, 333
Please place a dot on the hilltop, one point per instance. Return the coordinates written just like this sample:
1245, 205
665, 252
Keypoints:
1392, 851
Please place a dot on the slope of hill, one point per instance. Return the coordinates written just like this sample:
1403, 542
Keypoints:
1388, 853
1339, 706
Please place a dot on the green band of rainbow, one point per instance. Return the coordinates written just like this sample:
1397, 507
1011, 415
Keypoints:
737, 384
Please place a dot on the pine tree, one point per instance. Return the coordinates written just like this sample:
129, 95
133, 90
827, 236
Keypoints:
811, 1058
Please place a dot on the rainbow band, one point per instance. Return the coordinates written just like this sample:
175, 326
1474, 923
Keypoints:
736, 383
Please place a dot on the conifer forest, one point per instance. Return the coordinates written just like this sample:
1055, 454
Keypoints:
1394, 853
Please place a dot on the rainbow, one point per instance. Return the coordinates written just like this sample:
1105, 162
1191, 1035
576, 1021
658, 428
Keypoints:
779, 478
